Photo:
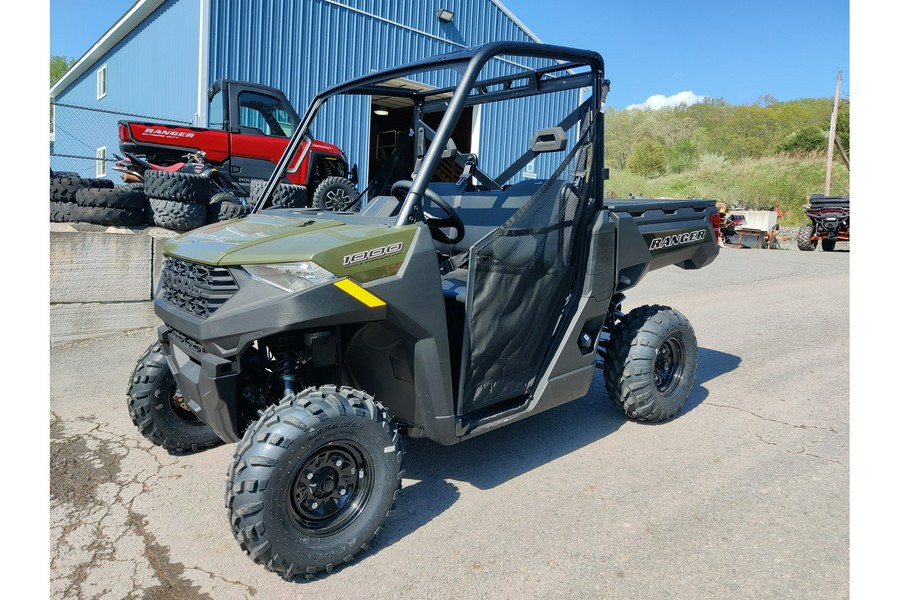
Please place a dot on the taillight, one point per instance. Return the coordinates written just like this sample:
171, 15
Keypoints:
123, 133
715, 219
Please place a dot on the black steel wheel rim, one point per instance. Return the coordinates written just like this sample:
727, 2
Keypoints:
337, 199
331, 489
669, 367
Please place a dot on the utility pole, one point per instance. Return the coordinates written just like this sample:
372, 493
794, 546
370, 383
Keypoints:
831, 134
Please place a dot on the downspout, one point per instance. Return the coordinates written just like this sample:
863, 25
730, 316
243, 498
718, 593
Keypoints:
201, 116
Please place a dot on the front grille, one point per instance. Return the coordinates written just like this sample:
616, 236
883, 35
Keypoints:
195, 288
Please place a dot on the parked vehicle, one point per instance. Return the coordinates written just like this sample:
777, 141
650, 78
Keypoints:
830, 216
249, 128
442, 310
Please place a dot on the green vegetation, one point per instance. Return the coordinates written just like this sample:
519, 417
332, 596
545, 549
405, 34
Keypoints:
755, 183
755, 156
58, 67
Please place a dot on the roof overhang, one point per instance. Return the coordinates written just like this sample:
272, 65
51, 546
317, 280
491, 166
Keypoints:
518, 22
126, 23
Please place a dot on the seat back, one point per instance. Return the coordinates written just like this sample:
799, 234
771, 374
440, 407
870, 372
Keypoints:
482, 211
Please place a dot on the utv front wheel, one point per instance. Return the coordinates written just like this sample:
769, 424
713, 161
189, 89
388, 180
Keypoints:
313, 480
803, 239
159, 410
652, 363
335, 194
828, 245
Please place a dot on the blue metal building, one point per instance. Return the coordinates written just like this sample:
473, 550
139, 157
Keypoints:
159, 59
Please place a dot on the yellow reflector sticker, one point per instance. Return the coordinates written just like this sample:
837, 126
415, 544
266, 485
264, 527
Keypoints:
361, 294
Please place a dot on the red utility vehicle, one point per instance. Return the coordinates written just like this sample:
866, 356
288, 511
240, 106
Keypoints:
249, 128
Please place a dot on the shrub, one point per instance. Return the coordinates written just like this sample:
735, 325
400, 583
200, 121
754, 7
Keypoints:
647, 158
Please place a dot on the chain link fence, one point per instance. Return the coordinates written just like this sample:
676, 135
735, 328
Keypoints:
84, 140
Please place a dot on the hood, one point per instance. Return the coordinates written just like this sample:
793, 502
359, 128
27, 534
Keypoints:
365, 250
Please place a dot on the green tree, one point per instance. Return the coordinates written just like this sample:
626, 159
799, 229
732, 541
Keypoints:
808, 139
647, 158
683, 156
58, 67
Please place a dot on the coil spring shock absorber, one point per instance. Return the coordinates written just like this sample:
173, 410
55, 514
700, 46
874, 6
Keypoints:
285, 351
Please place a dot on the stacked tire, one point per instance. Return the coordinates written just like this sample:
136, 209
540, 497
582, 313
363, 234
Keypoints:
225, 206
88, 200
286, 195
121, 206
176, 200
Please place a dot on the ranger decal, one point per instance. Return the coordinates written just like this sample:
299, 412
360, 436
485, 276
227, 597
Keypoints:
678, 239
358, 257
167, 133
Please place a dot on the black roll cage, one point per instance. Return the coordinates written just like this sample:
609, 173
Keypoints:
468, 92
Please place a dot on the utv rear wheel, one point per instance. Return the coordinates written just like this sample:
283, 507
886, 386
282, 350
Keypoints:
158, 409
313, 480
335, 194
652, 363
828, 245
803, 239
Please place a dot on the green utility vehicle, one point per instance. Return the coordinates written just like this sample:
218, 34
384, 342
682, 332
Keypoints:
481, 283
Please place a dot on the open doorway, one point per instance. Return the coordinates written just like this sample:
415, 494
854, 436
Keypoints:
392, 147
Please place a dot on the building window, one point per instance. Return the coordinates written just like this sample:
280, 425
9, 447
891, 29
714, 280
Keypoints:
101, 82
101, 161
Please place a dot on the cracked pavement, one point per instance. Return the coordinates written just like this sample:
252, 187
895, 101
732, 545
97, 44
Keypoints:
743, 495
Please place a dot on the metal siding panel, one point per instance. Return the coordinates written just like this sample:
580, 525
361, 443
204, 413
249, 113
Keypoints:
152, 72
305, 46
506, 131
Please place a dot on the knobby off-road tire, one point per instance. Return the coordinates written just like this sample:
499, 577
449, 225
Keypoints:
286, 195
828, 245
803, 239
158, 410
62, 189
225, 206
335, 194
111, 198
100, 215
61, 212
171, 214
313, 480
181, 187
651, 363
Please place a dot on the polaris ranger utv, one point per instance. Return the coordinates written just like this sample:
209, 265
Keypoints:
441, 310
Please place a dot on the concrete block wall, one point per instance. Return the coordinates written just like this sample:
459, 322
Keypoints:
102, 279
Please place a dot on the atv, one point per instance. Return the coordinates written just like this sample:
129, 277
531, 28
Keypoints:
830, 216
478, 285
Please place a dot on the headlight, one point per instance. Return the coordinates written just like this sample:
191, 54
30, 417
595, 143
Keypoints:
290, 277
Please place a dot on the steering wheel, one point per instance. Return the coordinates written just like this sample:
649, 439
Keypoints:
434, 225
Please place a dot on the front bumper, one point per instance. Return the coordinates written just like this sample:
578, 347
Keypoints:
207, 382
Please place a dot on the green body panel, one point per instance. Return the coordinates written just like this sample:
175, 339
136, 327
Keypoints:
363, 251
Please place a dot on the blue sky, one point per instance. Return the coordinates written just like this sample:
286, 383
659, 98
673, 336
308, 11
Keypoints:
735, 50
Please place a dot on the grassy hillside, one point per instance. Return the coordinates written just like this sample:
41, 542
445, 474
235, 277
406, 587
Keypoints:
755, 183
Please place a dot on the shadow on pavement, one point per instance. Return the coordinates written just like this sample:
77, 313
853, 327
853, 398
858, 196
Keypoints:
501, 455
